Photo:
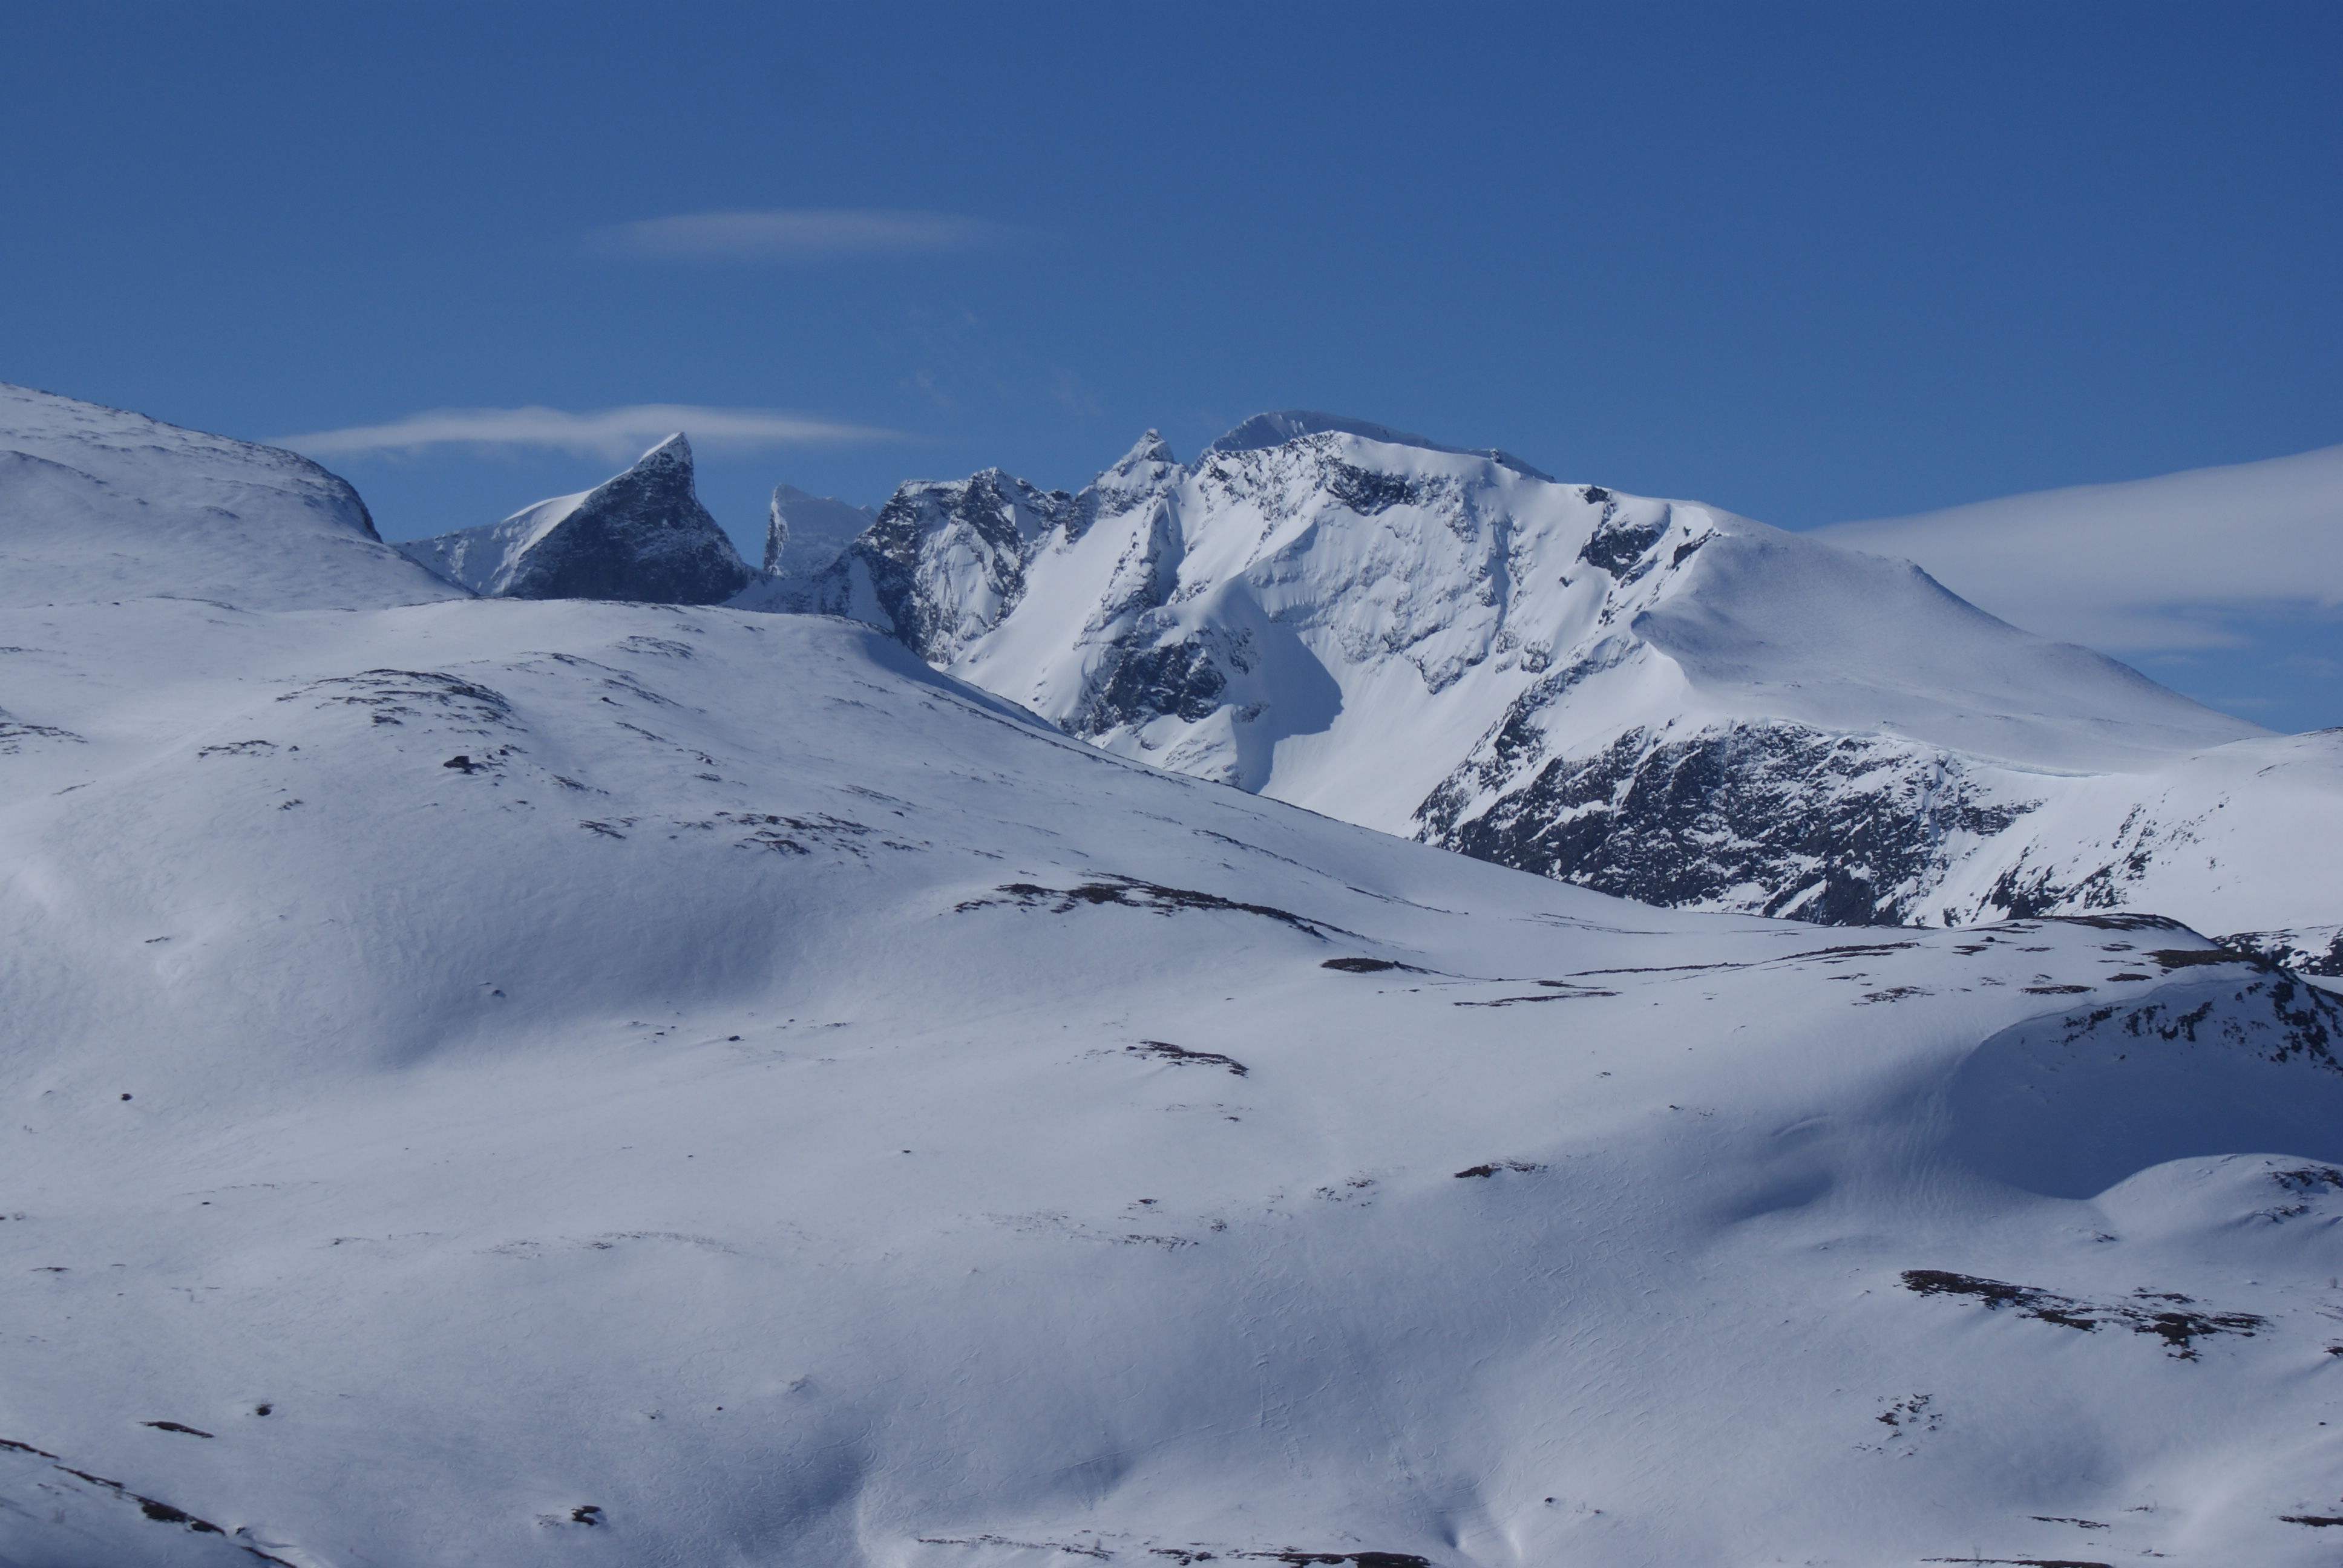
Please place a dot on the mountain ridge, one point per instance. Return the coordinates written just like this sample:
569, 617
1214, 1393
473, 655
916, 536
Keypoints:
495, 1081
1656, 699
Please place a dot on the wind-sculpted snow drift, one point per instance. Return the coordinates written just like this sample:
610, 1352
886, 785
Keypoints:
1653, 699
501, 1082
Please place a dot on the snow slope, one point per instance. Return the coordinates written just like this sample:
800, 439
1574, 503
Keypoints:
1656, 699
2138, 564
640, 534
100, 504
504, 1082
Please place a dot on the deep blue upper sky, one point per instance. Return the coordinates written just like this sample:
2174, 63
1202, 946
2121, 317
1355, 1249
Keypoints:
1807, 262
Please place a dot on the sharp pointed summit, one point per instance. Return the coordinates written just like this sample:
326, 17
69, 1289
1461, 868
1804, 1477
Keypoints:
641, 536
1150, 448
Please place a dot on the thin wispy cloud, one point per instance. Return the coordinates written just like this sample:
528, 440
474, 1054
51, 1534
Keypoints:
609, 433
796, 234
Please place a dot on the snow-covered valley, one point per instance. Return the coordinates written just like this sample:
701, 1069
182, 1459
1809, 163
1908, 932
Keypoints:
515, 1081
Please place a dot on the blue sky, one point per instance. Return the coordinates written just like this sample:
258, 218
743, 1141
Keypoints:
1811, 263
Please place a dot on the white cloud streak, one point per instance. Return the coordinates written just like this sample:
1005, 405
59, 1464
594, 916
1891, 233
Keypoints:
2151, 566
795, 234
610, 433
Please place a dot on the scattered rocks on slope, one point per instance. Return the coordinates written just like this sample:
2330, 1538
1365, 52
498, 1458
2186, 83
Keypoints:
2167, 1316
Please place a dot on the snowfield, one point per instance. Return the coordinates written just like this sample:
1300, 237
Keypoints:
502, 1081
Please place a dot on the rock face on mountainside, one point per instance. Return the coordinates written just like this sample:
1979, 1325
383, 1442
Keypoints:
804, 534
96, 503
640, 535
1824, 824
946, 561
1655, 698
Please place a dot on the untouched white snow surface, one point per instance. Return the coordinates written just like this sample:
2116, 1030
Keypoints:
773, 1103
101, 504
2138, 564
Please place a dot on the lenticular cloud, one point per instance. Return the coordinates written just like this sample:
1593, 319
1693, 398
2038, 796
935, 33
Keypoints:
795, 234
615, 433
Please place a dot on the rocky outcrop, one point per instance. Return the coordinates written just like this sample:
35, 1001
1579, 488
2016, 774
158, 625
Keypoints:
1776, 817
945, 562
640, 535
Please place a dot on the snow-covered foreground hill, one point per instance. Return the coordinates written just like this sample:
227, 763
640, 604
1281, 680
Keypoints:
506, 1082
1655, 698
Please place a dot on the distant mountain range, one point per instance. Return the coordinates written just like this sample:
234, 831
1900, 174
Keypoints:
1653, 699
516, 1078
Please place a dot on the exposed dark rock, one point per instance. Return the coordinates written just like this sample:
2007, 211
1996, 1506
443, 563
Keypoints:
1180, 1056
2318, 951
1837, 830
1618, 542
1134, 685
1133, 894
2166, 1315
639, 536
969, 535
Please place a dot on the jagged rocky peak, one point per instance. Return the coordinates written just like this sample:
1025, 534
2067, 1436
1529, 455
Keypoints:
1141, 475
806, 533
641, 536
946, 559
1149, 453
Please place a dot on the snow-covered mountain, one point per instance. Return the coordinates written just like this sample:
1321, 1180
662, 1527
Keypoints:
2151, 563
805, 534
1655, 698
506, 1083
640, 535
101, 504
